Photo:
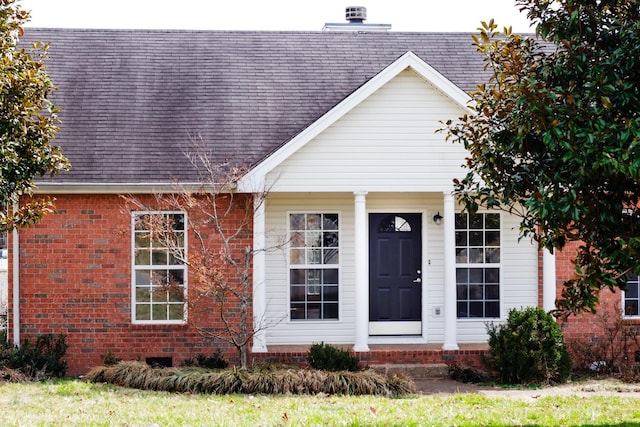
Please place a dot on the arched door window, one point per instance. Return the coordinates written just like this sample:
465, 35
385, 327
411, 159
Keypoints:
394, 224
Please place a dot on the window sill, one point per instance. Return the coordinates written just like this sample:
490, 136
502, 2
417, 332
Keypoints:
176, 326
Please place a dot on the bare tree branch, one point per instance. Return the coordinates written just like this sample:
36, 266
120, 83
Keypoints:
220, 248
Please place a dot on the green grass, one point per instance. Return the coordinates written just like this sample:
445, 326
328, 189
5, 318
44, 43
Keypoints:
77, 403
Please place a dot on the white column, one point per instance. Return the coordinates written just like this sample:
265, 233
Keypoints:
362, 272
450, 317
259, 291
548, 281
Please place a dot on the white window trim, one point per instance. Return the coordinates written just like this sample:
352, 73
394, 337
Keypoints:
338, 266
491, 265
134, 321
623, 307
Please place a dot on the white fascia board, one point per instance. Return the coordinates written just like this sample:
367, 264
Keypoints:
257, 176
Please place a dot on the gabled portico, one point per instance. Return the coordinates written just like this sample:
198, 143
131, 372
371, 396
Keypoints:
397, 268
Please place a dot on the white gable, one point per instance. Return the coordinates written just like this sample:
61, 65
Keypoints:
388, 143
381, 138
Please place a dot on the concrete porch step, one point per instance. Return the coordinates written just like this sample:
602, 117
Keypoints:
414, 371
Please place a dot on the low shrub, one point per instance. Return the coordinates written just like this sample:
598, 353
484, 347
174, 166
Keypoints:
528, 348
215, 361
326, 357
609, 352
40, 359
110, 359
289, 380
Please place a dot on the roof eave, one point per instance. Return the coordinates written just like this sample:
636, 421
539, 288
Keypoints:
122, 188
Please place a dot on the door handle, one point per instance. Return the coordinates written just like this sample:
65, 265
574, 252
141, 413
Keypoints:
418, 280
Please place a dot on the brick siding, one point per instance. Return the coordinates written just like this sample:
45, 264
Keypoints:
75, 279
594, 328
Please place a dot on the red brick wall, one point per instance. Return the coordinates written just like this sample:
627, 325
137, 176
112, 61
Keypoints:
473, 357
592, 328
577, 327
540, 278
75, 279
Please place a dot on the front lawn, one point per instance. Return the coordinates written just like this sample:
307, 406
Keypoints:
72, 402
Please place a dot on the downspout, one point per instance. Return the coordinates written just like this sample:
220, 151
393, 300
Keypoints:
548, 280
16, 283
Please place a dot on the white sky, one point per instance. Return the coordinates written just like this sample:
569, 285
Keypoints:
272, 15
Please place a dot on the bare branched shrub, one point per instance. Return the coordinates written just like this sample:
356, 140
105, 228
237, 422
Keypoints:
220, 248
8, 375
609, 350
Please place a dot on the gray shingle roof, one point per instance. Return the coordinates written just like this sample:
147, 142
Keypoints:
132, 99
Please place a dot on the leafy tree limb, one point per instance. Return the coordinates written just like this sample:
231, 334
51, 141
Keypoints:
28, 122
555, 137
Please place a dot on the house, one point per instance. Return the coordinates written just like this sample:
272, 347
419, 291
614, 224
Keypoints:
341, 127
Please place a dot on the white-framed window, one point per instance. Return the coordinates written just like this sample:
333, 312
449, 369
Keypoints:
314, 266
632, 296
159, 276
477, 265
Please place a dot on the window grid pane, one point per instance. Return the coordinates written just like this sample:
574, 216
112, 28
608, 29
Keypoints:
159, 278
632, 296
313, 259
478, 265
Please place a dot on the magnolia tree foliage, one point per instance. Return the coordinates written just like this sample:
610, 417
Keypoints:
28, 122
554, 137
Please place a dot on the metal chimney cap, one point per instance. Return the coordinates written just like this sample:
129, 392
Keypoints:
356, 13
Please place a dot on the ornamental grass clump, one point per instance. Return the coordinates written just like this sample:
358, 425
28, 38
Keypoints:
528, 348
283, 380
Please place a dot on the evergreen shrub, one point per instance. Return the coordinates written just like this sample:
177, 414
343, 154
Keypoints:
215, 361
326, 357
36, 359
528, 348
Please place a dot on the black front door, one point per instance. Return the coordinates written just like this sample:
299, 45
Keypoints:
395, 276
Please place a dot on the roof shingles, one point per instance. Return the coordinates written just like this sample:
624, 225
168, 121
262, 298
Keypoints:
133, 99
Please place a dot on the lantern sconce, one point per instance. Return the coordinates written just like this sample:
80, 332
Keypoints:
437, 218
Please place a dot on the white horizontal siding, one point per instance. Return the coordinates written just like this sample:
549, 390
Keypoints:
387, 143
519, 267
4, 285
303, 332
282, 330
518, 279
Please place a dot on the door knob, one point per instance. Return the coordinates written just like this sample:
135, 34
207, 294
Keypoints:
418, 280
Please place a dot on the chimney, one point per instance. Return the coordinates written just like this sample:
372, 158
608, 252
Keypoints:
356, 15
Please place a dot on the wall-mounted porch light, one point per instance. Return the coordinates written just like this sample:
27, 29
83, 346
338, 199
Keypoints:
437, 218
